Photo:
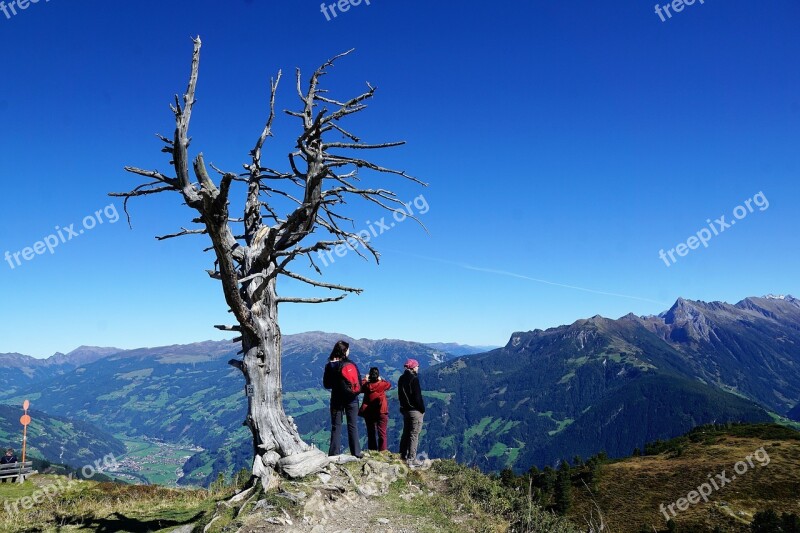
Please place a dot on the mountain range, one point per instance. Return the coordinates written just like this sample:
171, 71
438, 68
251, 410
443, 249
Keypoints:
614, 385
597, 384
21, 371
186, 393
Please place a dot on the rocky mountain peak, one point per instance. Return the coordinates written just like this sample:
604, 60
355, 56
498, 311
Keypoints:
688, 321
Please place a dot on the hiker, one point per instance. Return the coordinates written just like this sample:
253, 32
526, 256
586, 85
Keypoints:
412, 406
344, 381
8, 459
375, 409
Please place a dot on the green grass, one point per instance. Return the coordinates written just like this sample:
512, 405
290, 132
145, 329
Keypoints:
121, 393
509, 425
782, 420
630, 490
477, 429
435, 512
493, 427
578, 361
447, 498
492, 506
306, 401
562, 425
498, 450
17, 400
447, 443
565, 378
513, 453
86, 505
443, 396
12, 491
321, 439
143, 373
501, 449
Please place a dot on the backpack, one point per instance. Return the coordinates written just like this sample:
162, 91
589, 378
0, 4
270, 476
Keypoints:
351, 378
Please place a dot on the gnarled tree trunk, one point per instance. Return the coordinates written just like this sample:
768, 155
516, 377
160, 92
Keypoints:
275, 435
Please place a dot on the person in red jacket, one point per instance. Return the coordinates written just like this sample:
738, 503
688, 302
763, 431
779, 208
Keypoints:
343, 380
375, 409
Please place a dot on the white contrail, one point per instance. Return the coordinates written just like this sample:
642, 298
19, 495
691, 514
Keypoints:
575, 287
529, 278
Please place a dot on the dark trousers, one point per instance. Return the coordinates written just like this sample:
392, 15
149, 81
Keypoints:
351, 412
376, 432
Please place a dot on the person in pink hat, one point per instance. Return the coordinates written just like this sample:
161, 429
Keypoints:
412, 406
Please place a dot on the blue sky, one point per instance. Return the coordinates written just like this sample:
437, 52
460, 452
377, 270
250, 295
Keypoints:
565, 142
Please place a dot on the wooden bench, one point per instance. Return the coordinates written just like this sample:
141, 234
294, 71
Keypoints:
17, 471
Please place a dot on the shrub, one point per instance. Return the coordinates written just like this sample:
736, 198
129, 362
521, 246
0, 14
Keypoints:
503, 496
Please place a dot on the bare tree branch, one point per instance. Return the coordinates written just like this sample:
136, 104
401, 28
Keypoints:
322, 284
228, 328
182, 233
282, 300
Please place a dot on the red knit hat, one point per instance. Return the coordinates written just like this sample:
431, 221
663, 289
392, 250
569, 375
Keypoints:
411, 363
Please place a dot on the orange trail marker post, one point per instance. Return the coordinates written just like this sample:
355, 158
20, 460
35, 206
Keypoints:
25, 419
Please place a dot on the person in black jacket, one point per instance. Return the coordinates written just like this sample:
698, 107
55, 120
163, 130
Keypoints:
344, 402
8, 459
412, 405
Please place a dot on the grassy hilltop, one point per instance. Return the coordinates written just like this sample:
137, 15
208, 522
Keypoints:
446, 497
629, 492
625, 495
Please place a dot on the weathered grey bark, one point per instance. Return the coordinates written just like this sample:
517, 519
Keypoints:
249, 261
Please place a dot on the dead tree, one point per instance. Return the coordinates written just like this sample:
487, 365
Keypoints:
253, 251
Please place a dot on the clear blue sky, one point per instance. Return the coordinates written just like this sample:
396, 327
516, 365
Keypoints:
563, 141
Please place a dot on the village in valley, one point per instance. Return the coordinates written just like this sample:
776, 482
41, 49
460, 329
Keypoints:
152, 461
